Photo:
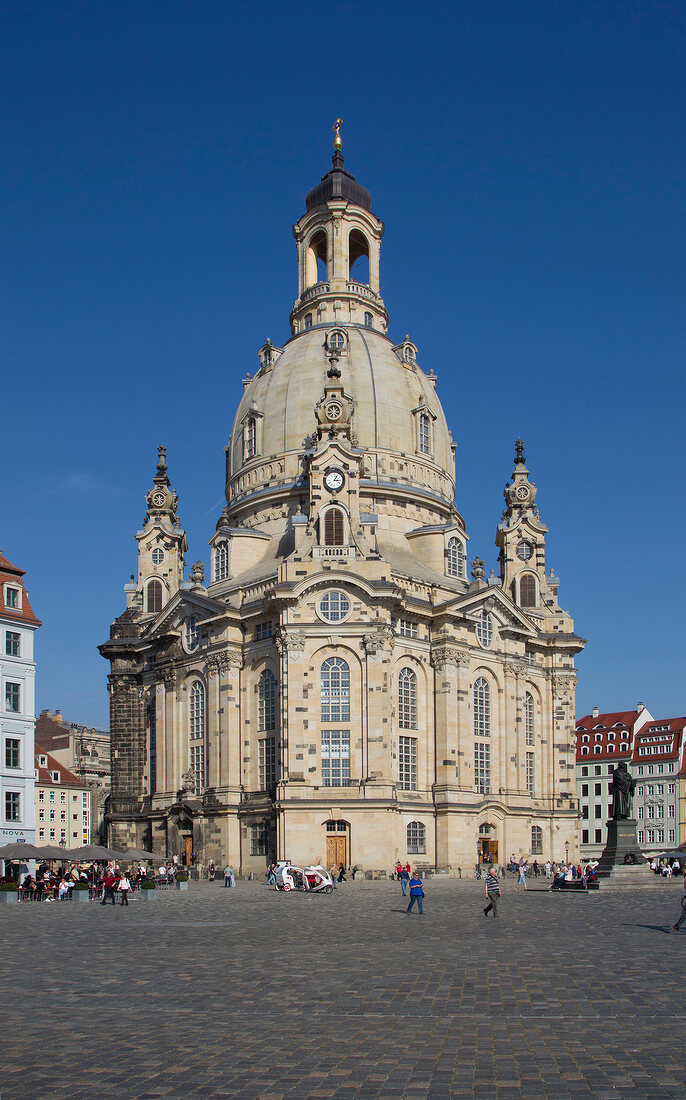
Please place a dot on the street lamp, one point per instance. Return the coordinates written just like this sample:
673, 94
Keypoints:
567, 851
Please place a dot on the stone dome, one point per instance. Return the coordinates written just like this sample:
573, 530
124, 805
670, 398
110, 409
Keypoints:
389, 392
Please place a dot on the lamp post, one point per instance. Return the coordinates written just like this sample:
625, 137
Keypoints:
567, 852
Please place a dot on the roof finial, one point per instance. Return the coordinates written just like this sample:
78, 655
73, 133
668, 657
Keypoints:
519, 452
161, 458
337, 143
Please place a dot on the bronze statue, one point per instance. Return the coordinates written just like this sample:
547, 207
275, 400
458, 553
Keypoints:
622, 789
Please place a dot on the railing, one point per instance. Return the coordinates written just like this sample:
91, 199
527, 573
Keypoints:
363, 290
314, 291
333, 552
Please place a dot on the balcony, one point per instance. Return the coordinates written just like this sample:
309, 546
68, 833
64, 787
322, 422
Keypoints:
333, 552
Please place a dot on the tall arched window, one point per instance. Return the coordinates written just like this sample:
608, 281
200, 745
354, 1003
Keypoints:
153, 595
536, 840
221, 561
266, 701
482, 708
196, 734
335, 690
416, 838
424, 434
333, 527
407, 699
529, 718
249, 438
455, 558
358, 250
527, 590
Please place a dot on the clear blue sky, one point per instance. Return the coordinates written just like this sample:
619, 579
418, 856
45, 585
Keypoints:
528, 161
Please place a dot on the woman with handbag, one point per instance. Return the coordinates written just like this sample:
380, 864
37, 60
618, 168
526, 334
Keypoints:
416, 893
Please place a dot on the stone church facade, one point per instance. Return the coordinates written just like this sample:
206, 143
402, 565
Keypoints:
341, 688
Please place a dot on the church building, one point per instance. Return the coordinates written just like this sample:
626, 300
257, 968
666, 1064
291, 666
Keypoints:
342, 688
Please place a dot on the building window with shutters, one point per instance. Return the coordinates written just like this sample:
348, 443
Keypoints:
153, 595
334, 527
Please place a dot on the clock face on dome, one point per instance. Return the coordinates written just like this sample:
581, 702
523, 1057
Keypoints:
333, 479
158, 499
522, 492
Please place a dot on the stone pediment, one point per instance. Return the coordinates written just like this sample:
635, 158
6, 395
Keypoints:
495, 601
177, 610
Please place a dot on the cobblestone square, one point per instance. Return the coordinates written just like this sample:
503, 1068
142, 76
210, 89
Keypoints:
249, 993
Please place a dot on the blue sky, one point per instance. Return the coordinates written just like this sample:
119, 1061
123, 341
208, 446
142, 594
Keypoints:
528, 162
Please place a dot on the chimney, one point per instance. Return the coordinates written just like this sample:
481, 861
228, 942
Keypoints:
640, 707
57, 717
596, 712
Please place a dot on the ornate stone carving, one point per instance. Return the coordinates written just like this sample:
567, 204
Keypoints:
198, 574
291, 643
378, 641
212, 665
188, 781
478, 569
449, 657
563, 687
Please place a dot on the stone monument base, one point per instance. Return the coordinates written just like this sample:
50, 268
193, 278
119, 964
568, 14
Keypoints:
621, 841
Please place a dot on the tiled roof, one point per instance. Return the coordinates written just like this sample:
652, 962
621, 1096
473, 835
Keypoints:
622, 717
11, 574
67, 778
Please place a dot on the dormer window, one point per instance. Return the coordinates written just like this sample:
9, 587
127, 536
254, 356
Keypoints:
408, 353
454, 555
55, 776
249, 438
42, 761
424, 428
12, 598
336, 341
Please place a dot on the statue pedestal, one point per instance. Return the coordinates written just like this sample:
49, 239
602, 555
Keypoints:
621, 839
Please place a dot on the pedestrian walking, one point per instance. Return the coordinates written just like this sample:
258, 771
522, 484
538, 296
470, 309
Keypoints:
227, 877
124, 888
341, 873
492, 892
271, 875
404, 876
521, 877
416, 893
110, 884
682, 918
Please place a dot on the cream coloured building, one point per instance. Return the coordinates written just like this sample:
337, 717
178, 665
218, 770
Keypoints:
342, 687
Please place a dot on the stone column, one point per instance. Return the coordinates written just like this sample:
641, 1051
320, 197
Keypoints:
377, 707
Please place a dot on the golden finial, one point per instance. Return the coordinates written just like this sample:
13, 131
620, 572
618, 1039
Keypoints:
337, 143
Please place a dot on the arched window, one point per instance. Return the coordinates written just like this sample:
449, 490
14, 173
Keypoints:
308, 320
416, 838
249, 438
315, 260
536, 840
335, 690
529, 718
408, 353
266, 701
584, 751
455, 558
482, 708
221, 561
196, 734
153, 595
527, 590
333, 527
407, 699
424, 434
358, 252
368, 320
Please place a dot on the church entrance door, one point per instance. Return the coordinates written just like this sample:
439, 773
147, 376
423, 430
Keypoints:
187, 850
335, 850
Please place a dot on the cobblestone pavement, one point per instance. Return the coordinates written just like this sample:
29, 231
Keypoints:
249, 993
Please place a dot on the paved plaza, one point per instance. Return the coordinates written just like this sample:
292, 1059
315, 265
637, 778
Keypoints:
249, 993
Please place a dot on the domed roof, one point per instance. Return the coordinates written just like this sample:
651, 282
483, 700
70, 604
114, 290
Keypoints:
387, 396
338, 184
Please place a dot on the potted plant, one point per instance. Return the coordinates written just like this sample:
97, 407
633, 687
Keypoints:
148, 890
8, 893
181, 880
80, 891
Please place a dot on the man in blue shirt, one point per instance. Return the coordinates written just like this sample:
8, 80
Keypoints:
416, 893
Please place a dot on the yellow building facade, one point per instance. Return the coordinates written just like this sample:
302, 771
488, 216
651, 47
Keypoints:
343, 687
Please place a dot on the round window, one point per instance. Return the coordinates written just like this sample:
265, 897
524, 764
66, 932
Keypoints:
334, 606
524, 550
157, 556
